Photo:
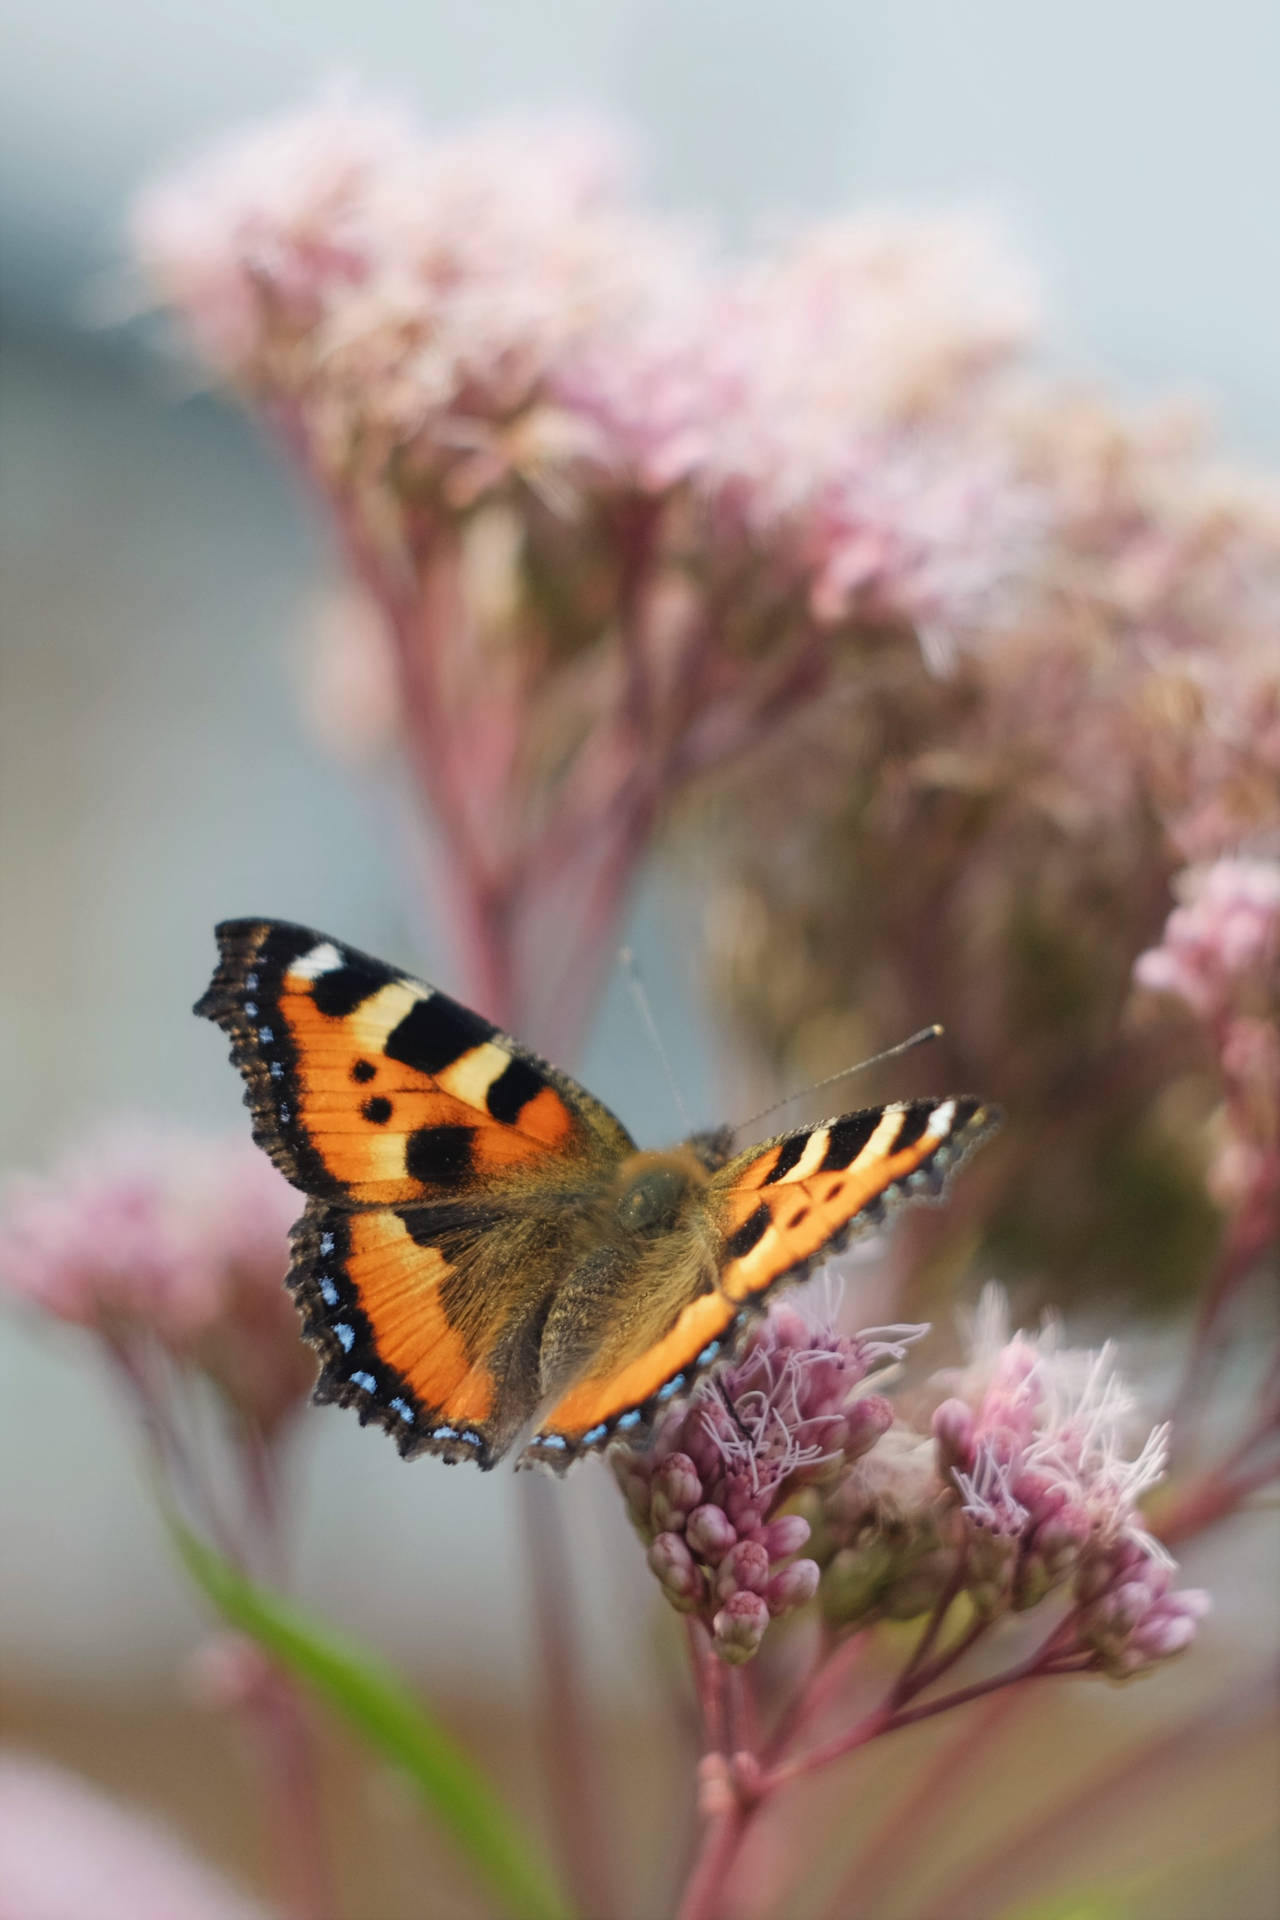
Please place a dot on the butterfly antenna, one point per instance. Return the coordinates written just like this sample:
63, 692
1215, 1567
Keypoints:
627, 961
890, 1053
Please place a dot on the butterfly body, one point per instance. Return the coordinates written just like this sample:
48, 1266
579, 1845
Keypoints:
483, 1244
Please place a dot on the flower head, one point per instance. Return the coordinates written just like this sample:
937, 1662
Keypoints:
709, 1493
1035, 1443
1025, 1484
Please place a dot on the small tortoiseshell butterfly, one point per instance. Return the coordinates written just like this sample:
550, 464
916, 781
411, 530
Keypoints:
483, 1243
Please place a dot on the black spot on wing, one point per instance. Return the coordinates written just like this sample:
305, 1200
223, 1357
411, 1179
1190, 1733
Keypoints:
515, 1086
440, 1156
749, 1234
341, 990
377, 1109
434, 1033
847, 1138
789, 1156
363, 1070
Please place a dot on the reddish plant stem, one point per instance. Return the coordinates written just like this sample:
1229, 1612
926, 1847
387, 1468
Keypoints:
574, 1779
830, 1671
1213, 1498
708, 1673
909, 1822
933, 1627
996, 1878
297, 1826
279, 1722
1240, 1250
304, 1866
704, 1892
893, 1713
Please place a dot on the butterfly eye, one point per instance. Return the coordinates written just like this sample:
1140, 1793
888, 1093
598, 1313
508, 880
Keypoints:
651, 1202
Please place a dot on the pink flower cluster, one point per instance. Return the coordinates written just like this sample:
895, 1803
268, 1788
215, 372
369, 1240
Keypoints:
145, 1234
454, 312
708, 1495
1033, 1447
1221, 946
1221, 956
1023, 1487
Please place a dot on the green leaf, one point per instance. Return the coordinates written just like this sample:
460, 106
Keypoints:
372, 1700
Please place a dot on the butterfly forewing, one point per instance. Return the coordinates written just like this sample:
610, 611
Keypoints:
370, 1088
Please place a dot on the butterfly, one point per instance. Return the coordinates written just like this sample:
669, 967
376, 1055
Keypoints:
484, 1245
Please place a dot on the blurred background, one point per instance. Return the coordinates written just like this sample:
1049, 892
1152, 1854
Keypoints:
160, 570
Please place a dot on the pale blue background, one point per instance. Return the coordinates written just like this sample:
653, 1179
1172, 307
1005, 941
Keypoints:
154, 773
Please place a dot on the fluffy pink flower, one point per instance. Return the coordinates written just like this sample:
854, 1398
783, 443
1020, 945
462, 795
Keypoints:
1034, 1443
150, 1232
707, 1495
1221, 946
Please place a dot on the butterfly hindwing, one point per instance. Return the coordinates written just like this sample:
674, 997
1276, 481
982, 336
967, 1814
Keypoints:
371, 1088
771, 1213
404, 1332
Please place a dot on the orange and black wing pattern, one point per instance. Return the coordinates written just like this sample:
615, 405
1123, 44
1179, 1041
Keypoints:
768, 1216
783, 1207
408, 1331
427, 1141
370, 1088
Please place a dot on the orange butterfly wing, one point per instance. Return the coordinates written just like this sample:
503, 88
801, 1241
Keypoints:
776, 1210
370, 1088
425, 1138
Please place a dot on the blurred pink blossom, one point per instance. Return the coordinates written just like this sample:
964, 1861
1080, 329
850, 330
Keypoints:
609, 493
1221, 946
149, 1232
70, 1852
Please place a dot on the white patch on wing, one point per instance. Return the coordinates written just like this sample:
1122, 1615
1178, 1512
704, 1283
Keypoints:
323, 958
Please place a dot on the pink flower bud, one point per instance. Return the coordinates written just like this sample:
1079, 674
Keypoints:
792, 1587
953, 1431
743, 1505
1163, 1635
746, 1567
864, 1422
710, 1533
677, 1478
682, 1582
739, 1627
1126, 1606
783, 1537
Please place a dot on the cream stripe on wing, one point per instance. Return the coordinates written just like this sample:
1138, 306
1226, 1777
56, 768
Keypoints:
471, 1077
881, 1142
